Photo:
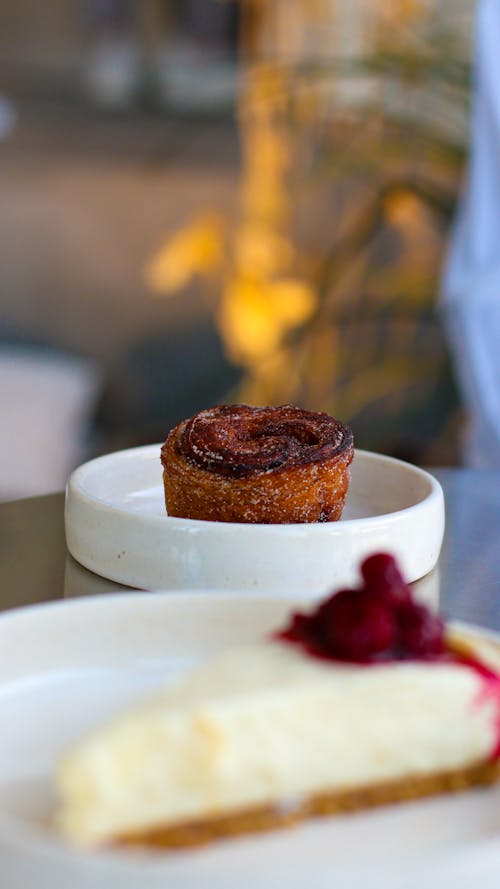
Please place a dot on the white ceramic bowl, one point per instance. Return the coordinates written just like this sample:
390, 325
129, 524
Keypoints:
117, 526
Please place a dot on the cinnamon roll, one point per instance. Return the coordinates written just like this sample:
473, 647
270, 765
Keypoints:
273, 465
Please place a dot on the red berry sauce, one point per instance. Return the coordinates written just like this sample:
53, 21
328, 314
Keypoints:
380, 622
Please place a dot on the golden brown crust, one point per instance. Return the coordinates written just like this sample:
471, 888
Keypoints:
269, 465
197, 833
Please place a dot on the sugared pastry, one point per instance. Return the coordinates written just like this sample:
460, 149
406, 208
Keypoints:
366, 700
275, 465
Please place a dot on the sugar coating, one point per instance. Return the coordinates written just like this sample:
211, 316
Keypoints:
264, 465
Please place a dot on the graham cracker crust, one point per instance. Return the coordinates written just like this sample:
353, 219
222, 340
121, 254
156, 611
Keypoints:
197, 833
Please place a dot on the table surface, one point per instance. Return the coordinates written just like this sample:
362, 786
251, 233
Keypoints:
35, 565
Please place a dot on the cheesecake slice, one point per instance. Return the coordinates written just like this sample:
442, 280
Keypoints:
367, 700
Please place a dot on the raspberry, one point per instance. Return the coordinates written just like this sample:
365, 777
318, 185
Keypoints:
420, 632
357, 625
378, 621
302, 628
382, 577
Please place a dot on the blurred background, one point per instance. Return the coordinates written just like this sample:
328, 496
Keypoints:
206, 201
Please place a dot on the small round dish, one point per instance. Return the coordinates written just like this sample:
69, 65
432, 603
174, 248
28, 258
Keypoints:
117, 526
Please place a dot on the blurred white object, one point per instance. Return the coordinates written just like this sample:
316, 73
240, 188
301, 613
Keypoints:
471, 285
45, 406
111, 74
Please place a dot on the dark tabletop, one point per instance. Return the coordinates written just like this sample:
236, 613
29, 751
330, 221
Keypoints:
35, 565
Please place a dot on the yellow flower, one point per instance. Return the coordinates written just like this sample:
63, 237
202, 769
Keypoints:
267, 201
259, 251
266, 150
254, 316
267, 158
197, 248
293, 301
265, 90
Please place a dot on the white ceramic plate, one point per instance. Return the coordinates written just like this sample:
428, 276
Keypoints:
65, 668
117, 526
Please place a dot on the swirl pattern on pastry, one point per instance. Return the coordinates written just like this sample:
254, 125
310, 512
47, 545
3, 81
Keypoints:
239, 440
257, 464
